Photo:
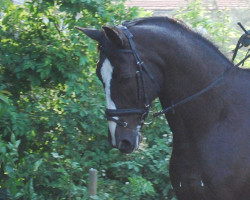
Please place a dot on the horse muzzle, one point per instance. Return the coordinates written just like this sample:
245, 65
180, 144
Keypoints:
127, 142
126, 146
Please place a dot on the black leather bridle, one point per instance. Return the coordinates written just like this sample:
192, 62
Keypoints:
113, 114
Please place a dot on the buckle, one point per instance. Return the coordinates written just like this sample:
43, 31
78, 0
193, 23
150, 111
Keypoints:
125, 124
140, 63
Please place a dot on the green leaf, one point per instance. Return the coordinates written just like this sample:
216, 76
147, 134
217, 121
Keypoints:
56, 155
38, 164
9, 169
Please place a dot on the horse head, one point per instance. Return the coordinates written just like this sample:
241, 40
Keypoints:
129, 86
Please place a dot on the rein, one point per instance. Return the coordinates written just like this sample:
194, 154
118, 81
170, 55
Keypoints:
190, 98
113, 114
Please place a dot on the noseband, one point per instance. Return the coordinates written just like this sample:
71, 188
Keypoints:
113, 114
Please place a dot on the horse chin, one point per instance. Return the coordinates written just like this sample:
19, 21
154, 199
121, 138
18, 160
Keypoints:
128, 151
123, 150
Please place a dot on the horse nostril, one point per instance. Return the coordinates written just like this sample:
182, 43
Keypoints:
125, 146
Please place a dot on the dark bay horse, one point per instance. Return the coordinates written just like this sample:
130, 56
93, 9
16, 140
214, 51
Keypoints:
206, 100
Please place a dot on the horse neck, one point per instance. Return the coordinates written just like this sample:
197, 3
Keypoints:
191, 64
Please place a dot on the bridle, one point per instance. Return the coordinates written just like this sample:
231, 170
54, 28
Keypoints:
114, 114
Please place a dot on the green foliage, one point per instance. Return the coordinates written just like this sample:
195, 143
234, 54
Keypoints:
4, 102
53, 125
207, 22
52, 107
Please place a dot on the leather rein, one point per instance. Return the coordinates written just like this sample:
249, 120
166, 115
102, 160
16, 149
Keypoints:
114, 114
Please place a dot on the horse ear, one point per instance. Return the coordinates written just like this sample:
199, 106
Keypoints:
92, 33
114, 35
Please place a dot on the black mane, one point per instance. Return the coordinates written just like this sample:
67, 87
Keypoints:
149, 20
162, 21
